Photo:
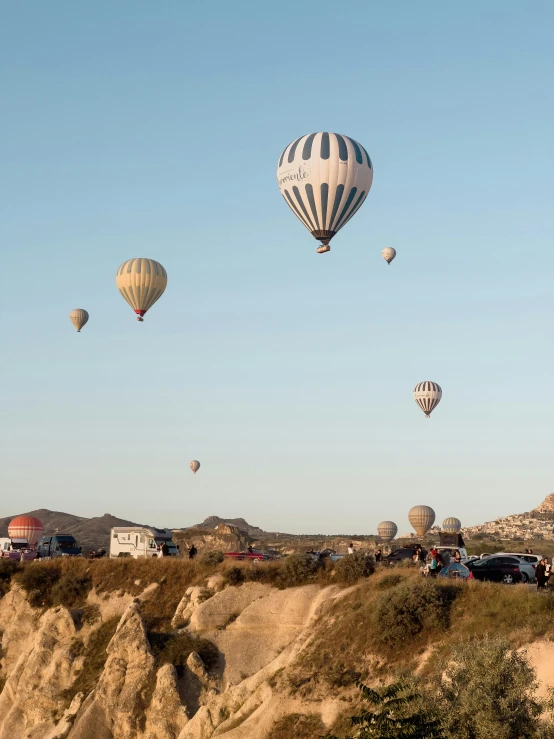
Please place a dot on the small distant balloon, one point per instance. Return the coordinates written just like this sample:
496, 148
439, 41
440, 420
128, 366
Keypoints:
141, 282
421, 518
452, 525
427, 395
387, 530
78, 318
388, 254
195, 466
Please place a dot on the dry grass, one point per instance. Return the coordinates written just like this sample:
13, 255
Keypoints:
95, 658
298, 726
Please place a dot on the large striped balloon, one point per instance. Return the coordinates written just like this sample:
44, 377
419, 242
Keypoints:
324, 178
421, 517
387, 530
25, 527
141, 282
427, 395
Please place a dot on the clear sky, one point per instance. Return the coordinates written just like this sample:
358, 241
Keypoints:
139, 128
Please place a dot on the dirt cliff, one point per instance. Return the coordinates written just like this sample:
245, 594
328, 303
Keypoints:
148, 656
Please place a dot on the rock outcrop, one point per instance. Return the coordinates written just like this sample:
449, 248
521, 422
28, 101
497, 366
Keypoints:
258, 631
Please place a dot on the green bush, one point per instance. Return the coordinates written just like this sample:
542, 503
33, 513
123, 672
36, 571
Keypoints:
390, 581
8, 568
299, 726
354, 567
234, 576
413, 607
395, 711
175, 649
297, 569
37, 581
211, 559
489, 690
71, 590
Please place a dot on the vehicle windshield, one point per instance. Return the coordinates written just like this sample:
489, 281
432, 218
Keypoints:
19, 545
480, 562
67, 544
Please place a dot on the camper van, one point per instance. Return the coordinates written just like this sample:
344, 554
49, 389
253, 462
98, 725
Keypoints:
141, 541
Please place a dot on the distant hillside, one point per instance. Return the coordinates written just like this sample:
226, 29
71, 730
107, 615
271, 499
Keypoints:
212, 521
91, 533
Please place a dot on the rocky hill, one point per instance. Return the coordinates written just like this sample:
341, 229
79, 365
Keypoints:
213, 522
91, 533
547, 506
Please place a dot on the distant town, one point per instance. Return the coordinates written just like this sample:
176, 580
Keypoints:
535, 524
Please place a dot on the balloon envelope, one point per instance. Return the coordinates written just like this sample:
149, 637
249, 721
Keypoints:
451, 525
387, 530
427, 395
421, 517
141, 282
25, 527
78, 318
388, 254
195, 466
324, 179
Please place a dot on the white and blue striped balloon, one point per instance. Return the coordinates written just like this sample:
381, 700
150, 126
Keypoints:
324, 178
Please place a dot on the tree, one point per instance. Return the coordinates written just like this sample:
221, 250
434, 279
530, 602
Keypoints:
489, 690
396, 712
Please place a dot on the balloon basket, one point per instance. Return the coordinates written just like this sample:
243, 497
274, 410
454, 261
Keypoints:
323, 248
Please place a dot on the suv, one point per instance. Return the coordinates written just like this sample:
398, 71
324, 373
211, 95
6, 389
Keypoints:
496, 568
399, 555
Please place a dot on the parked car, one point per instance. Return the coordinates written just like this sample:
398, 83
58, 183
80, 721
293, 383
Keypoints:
253, 556
527, 567
497, 569
61, 545
399, 555
17, 549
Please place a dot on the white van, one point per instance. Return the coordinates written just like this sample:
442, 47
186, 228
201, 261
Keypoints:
141, 541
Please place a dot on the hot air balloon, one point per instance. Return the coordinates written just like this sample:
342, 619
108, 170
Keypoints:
451, 525
26, 527
427, 395
141, 282
324, 178
388, 254
421, 517
195, 466
387, 530
78, 318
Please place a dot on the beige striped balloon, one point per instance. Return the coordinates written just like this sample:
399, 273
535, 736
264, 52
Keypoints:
78, 318
141, 282
422, 517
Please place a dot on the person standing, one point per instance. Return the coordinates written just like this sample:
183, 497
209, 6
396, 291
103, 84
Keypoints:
378, 555
540, 574
165, 549
193, 552
351, 548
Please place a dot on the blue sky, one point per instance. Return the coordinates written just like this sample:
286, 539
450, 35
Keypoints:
153, 129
